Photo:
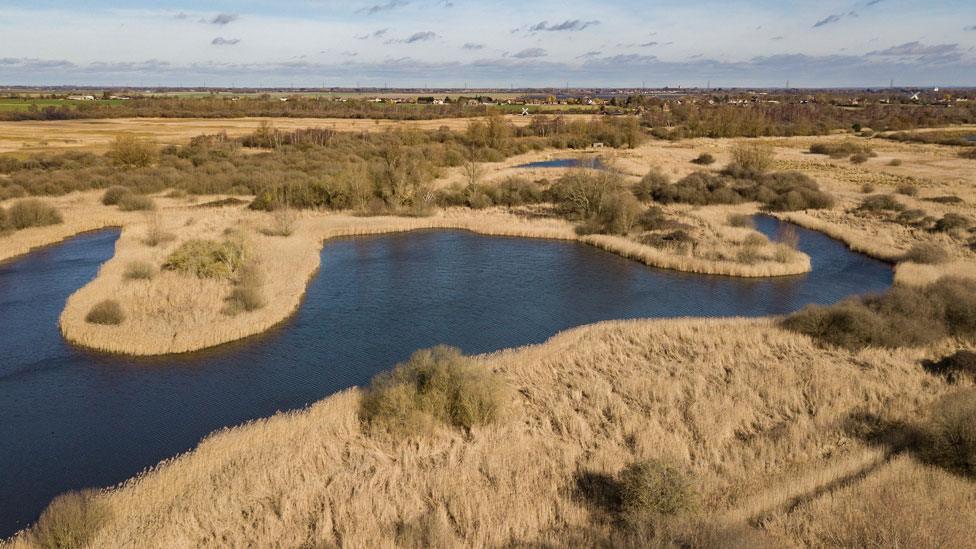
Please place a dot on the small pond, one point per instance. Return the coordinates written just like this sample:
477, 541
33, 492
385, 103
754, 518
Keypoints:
73, 419
594, 163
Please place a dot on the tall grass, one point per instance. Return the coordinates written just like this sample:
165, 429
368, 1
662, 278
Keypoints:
207, 258
71, 520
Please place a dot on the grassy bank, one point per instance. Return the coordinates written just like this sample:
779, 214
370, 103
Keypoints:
774, 434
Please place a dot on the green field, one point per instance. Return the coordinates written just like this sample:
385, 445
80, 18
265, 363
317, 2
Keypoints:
23, 104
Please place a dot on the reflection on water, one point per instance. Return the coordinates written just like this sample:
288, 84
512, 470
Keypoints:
71, 418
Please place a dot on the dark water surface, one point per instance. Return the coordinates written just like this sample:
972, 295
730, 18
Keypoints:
592, 163
71, 419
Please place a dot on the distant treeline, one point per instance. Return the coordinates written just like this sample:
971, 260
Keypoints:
788, 119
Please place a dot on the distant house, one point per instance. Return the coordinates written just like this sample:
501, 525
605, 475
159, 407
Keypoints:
425, 100
81, 97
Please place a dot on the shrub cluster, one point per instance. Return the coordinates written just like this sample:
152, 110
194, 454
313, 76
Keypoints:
781, 191
843, 149
704, 159
207, 258
927, 253
901, 317
599, 200
512, 191
752, 158
959, 364
438, 385
28, 213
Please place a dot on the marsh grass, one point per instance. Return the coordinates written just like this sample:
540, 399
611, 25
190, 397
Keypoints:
435, 386
132, 202
927, 253
247, 294
70, 521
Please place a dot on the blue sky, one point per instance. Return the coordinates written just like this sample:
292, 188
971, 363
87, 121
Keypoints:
452, 43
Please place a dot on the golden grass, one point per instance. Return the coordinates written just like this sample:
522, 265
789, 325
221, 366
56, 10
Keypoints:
756, 414
97, 135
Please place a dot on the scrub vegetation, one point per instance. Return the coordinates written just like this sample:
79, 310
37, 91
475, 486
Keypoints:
28, 213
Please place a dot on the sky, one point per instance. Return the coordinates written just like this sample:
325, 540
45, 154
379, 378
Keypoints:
468, 43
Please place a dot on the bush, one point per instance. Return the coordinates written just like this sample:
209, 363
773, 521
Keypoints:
907, 189
653, 219
753, 158
437, 385
741, 220
958, 364
136, 203
4, 220
842, 149
789, 191
139, 270
880, 203
902, 317
132, 152
952, 433
895, 162
859, 158
32, 213
107, 312
71, 520
927, 254
969, 154
953, 222
113, 195
704, 159
652, 488
946, 199
650, 183
207, 258
867, 188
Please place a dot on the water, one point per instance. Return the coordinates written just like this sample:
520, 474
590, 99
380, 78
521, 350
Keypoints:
592, 163
71, 419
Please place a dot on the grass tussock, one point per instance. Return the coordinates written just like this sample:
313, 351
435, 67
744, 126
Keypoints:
139, 270
29, 213
70, 521
651, 488
133, 202
927, 253
752, 158
107, 312
435, 386
901, 317
207, 258
248, 292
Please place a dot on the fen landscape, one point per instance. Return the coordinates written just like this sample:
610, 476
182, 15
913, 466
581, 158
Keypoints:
250, 302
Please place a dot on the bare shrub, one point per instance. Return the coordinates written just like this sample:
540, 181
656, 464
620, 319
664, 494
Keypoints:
283, 217
704, 159
71, 520
868, 188
136, 203
655, 179
744, 221
842, 149
438, 385
652, 487
952, 433
755, 158
4, 220
907, 189
859, 158
927, 253
113, 195
132, 152
106, 312
880, 203
895, 162
139, 270
207, 258
32, 213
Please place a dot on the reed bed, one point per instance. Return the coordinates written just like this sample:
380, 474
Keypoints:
746, 408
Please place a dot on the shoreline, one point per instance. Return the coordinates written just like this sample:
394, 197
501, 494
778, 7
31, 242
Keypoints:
299, 257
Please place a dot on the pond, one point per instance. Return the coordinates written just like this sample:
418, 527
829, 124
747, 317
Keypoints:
73, 419
594, 163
